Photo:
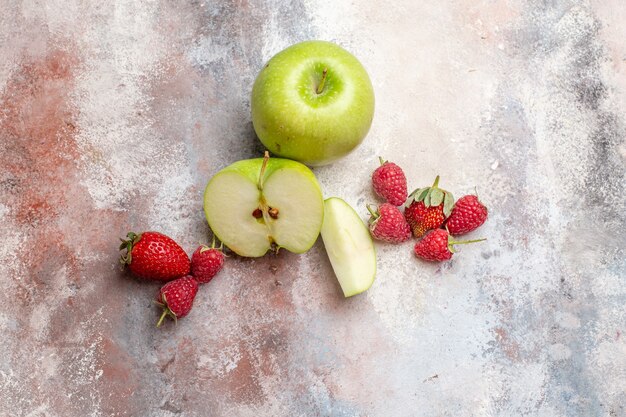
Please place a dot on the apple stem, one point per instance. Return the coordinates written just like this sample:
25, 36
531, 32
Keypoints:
266, 158
320, 87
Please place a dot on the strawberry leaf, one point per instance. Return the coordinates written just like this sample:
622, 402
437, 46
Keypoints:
422, 194
414, 196
427, 198
415, 192
436, 197
448, 204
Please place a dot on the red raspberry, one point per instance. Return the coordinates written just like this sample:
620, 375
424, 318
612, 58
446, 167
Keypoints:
206, 262
388, 224
436, 246
389, 183
467, 215
176, 297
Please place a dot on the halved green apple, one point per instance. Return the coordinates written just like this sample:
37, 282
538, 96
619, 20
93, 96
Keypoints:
349, 247
255, 204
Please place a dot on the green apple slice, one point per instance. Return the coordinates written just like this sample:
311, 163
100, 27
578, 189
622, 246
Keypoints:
234, 194
349, 247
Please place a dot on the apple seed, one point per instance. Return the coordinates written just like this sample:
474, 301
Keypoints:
273, 212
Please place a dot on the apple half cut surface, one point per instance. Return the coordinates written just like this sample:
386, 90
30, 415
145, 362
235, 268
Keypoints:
349, 247
258, 204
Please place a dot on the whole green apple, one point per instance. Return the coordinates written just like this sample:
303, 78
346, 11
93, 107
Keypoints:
256, 204
312, 102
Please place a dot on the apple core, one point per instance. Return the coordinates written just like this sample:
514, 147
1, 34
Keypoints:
257, 204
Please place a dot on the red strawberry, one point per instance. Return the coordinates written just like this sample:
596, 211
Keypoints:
436, 246
467, 215
388, 224
390, 183
153, 255
429, 208
206, 262
176, 297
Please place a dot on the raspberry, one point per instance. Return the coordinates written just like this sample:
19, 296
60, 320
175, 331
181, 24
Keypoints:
389, 183
467, 215
388, 224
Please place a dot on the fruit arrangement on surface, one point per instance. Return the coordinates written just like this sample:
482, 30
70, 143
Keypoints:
430, 214
312, 103
155, 256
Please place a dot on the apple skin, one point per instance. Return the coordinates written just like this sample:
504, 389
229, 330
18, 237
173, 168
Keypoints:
295, 122
249, 170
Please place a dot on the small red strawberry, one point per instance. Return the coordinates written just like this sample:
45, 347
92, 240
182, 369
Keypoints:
467, 215
176, 298
436, 246
389, 182
206, 262
153, 255
428, 209
388, 224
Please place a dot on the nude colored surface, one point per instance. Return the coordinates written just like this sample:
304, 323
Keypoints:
113, 116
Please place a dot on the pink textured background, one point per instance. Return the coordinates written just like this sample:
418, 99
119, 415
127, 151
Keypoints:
113, 116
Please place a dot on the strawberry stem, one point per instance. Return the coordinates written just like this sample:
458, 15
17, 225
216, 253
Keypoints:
436, 183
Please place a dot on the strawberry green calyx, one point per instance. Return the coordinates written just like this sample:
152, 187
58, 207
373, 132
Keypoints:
451, 243
433, 196
131, 240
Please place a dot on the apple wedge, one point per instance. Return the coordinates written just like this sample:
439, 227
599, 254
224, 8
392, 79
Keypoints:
349, 247
256, 204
